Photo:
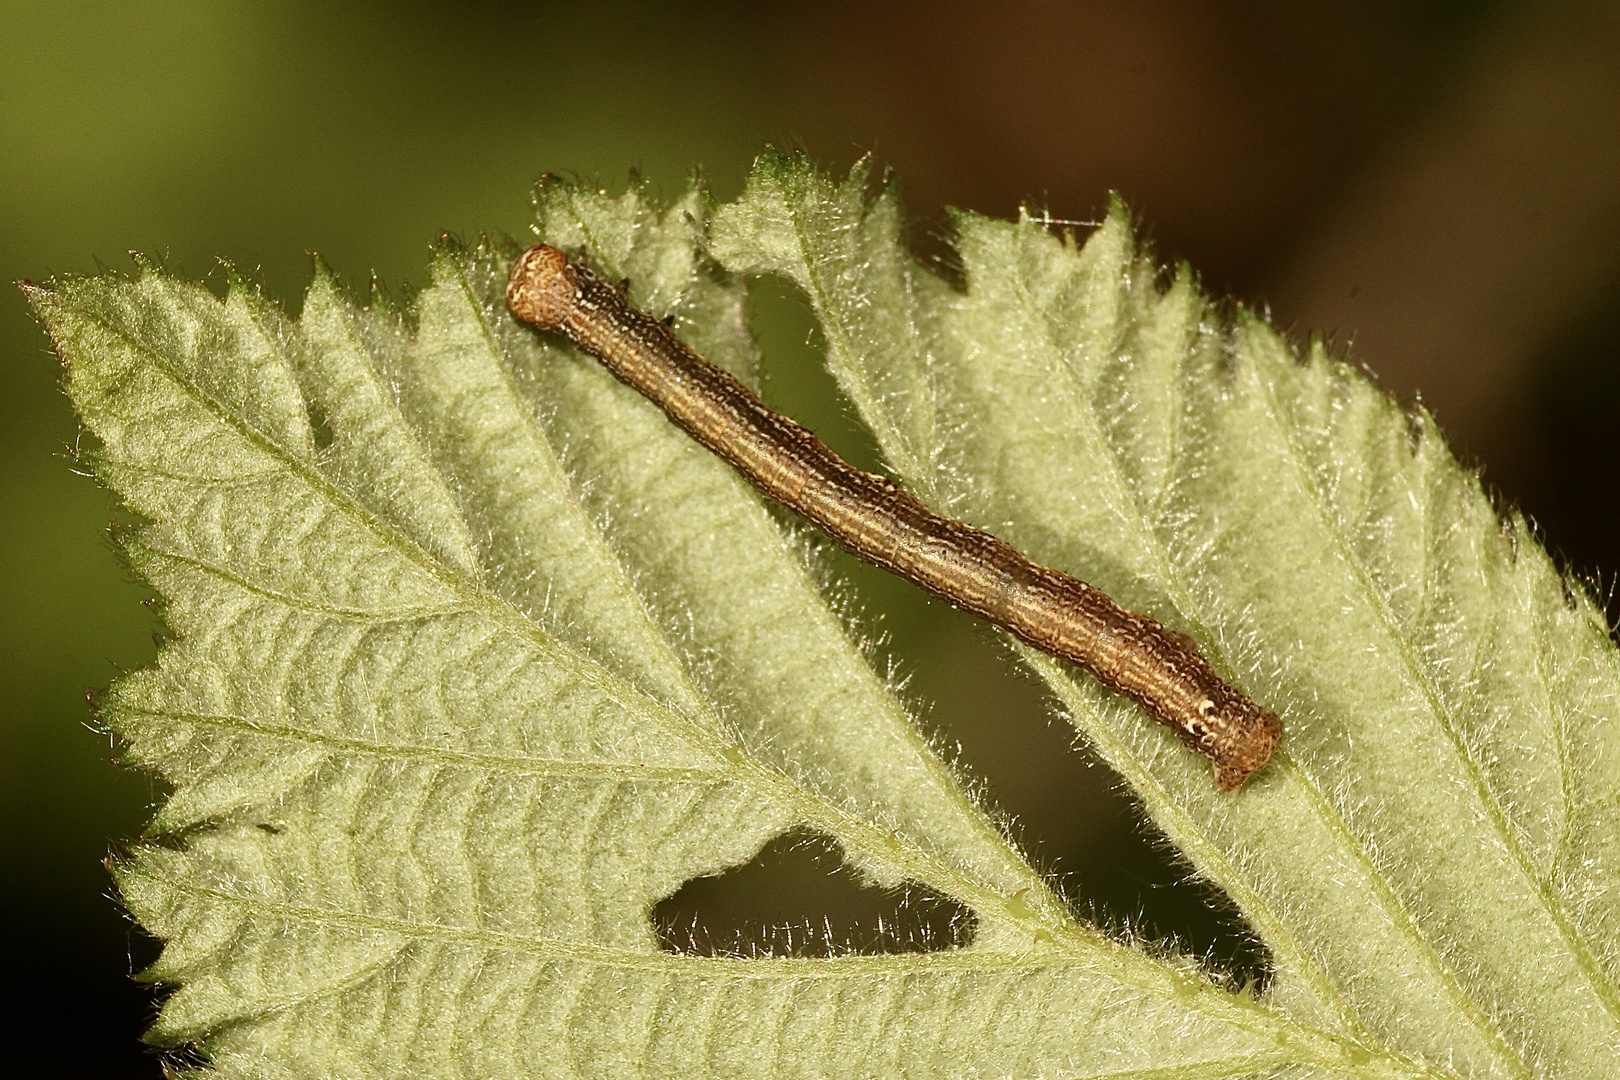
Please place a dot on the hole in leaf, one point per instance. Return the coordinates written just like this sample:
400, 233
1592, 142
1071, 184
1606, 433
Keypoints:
1135, 887
320, 425
798, 898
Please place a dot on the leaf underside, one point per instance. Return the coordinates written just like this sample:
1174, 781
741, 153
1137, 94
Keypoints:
476, 657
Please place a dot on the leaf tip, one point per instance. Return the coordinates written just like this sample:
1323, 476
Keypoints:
39, 297
320, 267
237, 285
1118, 213
451, 246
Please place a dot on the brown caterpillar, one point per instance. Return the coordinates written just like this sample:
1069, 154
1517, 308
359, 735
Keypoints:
880, 522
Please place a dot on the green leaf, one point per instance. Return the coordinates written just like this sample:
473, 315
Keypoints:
476, 657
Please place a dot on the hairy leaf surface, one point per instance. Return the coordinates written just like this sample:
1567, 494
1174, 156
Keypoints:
476, 657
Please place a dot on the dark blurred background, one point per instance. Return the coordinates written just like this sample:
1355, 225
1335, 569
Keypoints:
1434, 184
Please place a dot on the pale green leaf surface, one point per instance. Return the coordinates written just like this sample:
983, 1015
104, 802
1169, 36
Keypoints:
1432, 860
476, 657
